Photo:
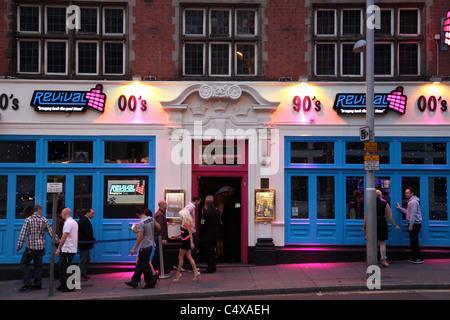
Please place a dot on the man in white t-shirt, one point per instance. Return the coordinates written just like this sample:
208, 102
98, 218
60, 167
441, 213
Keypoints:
67, 248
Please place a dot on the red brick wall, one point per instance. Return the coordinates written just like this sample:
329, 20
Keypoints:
3, 38
433, 26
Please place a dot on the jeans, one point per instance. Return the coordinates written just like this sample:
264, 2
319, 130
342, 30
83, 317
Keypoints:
27, 256
65, 260
143, 266
414, 242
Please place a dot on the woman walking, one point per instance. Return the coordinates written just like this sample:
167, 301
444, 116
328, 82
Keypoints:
187, 245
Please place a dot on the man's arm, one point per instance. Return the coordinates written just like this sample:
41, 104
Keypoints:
23, 235
61, 243
138, 242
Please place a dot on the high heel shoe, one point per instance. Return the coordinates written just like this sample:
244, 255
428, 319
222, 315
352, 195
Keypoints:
155, 278
177, 279
197, 276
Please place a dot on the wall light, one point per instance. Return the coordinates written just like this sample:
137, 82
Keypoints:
303, 79
136, 78
149, 78
284, 79
436, 79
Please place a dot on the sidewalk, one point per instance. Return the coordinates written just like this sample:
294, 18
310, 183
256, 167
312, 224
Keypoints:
232, 281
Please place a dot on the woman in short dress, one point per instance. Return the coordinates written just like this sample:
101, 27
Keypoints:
187, 245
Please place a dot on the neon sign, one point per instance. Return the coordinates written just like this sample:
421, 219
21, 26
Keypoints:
132, 103
446, 29
307, 103
431, 104
68, 101
355, 103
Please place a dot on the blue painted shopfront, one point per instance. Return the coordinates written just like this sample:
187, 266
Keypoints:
325, 183
88, 169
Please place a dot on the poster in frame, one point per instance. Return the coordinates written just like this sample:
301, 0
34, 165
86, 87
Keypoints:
175, 199
264, 205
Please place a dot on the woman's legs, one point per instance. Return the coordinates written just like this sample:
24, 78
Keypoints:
180, 263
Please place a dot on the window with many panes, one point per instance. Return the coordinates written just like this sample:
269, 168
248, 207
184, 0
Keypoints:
219, 41
49, 42
397, 42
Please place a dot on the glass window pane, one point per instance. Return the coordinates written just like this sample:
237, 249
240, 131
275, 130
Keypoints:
351, 22
56, 57
29, 56
220, 59
193, 22
220, 22
299, 198
89, 20
312, 152
384, 185
18, 151
409, 58
354, 195
87, 58
70, 151
29, 19
56, 19
325, 59
325, 22
325, 198
25, 193
246, 58
383, 59
123, 194
193, 59
424, 153
82, 195
354, 152
114, 58
409, 182
437, 190
3, 195
126, 152
114, 21
386, 25
245, 22
351, 61
60, 197
409, 21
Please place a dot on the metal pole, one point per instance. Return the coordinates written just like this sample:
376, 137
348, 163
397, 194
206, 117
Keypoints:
161, 258
52, 250
371, 223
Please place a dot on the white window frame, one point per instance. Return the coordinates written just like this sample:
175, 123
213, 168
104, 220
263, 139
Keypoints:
391, 74
104, 58
104, 22
39, 55
98, 21
184, 59
235, 59
204, 22
46, 18
46, 56
77, 59
256, 23
418, 23
335, 23
335, 60
18, 20
341, 62
418, 59
229, 21
361, 18
229, 59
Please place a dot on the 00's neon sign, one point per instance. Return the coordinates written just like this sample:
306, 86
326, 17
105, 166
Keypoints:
431, 104
132, 103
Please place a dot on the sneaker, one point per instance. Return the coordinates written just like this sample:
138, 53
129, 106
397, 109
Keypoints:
24, 288
418, 261
132, 284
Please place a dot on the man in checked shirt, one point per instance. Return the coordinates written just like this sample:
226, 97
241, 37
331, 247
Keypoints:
34, 228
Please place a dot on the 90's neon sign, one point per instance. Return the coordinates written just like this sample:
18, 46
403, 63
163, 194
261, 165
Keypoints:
307, 104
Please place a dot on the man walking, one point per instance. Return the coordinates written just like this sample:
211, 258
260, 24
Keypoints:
33, 229
85, 234
67, 248
160, 218
414, 218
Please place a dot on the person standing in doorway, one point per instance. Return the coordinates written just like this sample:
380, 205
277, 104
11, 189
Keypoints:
209, 232
67, 248
160, 217
414, 218
33, 229
85, 233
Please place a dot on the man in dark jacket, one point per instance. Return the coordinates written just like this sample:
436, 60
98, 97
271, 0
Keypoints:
210, 232
85, 233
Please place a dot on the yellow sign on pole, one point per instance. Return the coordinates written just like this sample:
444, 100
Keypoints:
370, 147
371, 158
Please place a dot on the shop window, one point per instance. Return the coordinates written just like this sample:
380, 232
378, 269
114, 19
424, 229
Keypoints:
354, 195
409, 182
354, 152
25, 195
325, 198
82, 195
126, 152
60, 197
3, 195
312, 152
424, 153
219, 42
18, 151
437, 192
70, 151
299, 197
123, 194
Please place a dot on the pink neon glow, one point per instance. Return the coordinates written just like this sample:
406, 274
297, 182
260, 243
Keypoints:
397, 100
96, 99
446, 29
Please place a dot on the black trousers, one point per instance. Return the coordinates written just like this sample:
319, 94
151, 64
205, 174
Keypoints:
65, 260
210, 255
414, 242
143, 266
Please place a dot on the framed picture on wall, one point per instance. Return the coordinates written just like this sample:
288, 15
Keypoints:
264, 205
175, 202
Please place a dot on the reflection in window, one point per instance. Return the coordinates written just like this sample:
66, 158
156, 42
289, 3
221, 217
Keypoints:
18, 151
312, 152
126, 152
70, 151
409, 182
60, 197
424, 153
25, 193
82, 195
325, 198
437, 190
354, 195
354, 152
299, 198
3, 195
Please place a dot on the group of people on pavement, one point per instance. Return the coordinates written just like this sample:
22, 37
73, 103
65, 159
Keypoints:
71, 236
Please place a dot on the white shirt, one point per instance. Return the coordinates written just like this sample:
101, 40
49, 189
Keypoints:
70, 227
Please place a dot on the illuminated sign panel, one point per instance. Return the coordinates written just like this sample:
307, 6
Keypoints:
126, 192
68, 101
355, 103
446, 29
